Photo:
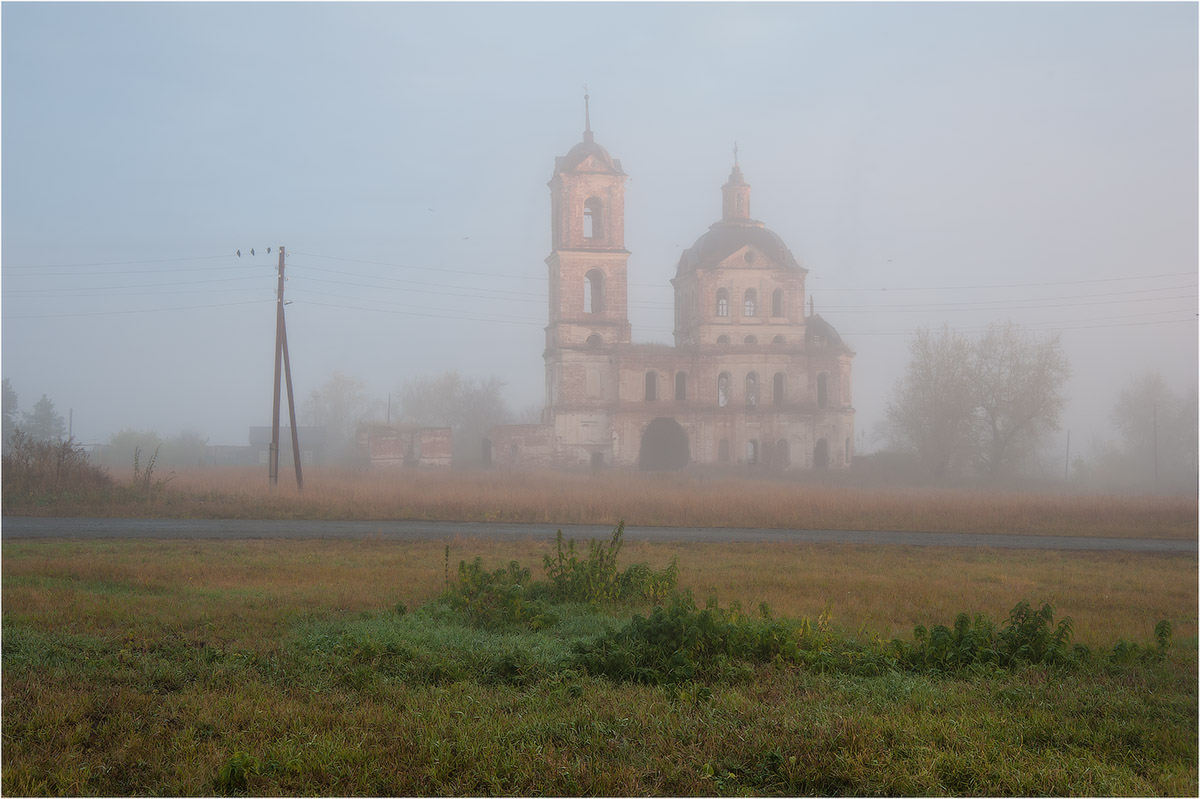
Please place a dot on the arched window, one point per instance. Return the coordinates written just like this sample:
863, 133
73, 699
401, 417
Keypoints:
750, 340
778, 340
593, 383
777, 302
723, 389
822, 389
751, 390
593, 218
752, 452
594, 340
722, 339
783, 458
722, 302
680, 386
750, 303
778, 388
593, 291
723, 450
651, 386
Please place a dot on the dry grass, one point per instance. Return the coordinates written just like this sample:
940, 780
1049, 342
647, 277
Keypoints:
206, 588
685, 499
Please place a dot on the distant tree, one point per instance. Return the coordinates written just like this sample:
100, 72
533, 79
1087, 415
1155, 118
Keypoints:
10, 412
1018, 380
124, 445
339, 405
188, 449
1158, 430
469, 407
44, 424
984, 401
933, 408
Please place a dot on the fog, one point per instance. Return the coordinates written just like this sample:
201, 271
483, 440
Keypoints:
929, 164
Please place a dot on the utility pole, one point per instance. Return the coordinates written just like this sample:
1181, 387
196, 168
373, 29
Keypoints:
282, 361
1067, 465
1156, 444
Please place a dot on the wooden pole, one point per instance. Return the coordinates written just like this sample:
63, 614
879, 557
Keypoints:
273, 459
287, 369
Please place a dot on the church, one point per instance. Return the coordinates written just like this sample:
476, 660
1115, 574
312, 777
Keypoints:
752, 379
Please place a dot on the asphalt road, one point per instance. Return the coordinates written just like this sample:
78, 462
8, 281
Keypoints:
28, 527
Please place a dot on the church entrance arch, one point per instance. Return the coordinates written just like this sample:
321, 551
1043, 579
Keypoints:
664, 446
821, 454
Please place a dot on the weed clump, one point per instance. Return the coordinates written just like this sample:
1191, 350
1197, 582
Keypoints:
595, 579
43, 471
509, 596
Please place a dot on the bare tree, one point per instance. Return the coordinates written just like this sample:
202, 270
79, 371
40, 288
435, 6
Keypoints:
933, 409
338, 405
1158, 433
10, 412
469, 407
984, 401
1018, 380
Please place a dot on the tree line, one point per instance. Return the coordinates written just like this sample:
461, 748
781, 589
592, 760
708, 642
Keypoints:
982, 405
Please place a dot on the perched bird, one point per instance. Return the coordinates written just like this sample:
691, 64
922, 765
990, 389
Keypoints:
252, 251
239, 253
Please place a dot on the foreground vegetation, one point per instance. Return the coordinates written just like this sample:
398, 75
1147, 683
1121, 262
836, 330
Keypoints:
56, 480
280, 667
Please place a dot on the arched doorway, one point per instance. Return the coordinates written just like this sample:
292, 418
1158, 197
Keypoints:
664, 446
821, 454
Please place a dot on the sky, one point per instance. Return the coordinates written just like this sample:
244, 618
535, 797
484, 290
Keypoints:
930, 164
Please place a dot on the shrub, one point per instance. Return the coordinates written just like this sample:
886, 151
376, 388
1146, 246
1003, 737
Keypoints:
496, 599
46, 470
595, 579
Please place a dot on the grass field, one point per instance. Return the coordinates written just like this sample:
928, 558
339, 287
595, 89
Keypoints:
286, 668
835, 502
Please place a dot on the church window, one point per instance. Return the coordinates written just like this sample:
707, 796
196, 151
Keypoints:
751, 390
593, 291
777, 302
779, 388
681, 386
752, 451
777, 340
750, 340
723, 450
593, 383
722, 302
750, 304
783, 458
723, 390
651, 386
822, 389
594, 340
593, 219
722, 339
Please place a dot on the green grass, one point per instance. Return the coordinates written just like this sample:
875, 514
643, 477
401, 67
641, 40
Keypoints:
224, 677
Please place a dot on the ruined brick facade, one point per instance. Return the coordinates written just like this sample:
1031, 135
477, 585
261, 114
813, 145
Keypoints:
750, 380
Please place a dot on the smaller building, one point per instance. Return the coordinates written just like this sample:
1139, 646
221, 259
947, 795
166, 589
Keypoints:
405, 445
312, 445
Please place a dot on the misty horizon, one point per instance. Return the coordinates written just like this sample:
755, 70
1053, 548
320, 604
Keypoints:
930, 165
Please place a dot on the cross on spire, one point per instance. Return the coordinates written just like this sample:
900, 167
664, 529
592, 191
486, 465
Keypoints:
735, 153
587, 115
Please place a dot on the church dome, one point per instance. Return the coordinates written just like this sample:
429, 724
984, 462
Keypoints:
819, 331
580, 153
727, 237
735, 231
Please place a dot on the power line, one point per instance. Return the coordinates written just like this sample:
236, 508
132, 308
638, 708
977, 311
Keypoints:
133, 311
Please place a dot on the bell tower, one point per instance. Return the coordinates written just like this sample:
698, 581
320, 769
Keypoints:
588, 262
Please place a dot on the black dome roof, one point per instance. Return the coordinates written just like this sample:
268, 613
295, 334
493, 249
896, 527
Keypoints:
727, 237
